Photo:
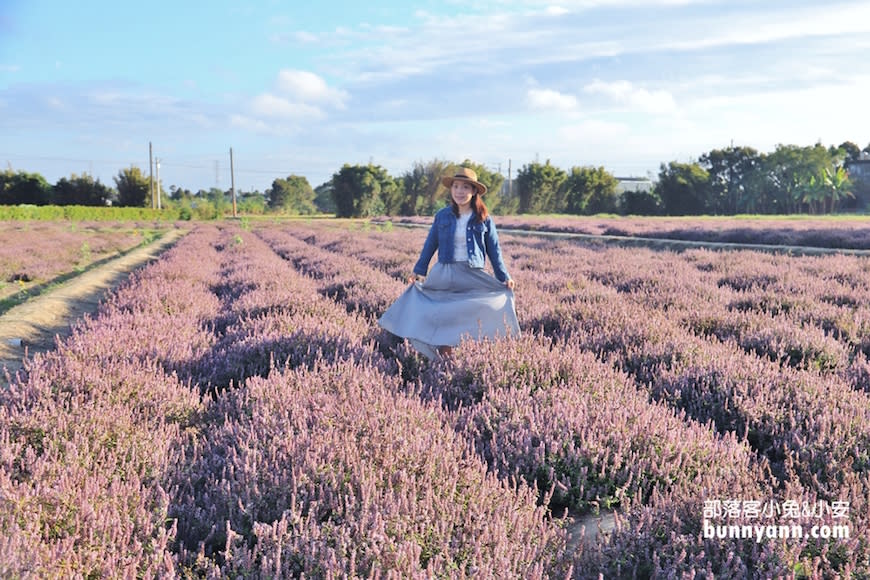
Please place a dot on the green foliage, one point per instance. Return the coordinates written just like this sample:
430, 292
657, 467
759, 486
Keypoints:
180, 194
847, 150
292, 195
640, 203
85, 256
252, 203
683, 188
391, 194
414, 184
423, 191
588, 190
85, 213
791, 168
791, 179
825, 191
732, 174
205, 209
202, 205
134, 188
220, 201
20, 187
81, 190
361, 191
323, 198
731, 180
539, 187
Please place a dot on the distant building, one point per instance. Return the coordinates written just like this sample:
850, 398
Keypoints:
625, 184
859, 169
633, 184
859, 174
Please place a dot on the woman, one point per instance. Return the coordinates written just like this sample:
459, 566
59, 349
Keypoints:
457, 299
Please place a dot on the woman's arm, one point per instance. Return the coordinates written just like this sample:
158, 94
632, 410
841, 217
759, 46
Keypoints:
429, 247
493, 250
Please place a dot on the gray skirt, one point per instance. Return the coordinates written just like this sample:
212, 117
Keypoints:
455, 302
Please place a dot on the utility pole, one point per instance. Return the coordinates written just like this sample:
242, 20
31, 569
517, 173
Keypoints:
232, 182
151, 173
157, 164
510, 182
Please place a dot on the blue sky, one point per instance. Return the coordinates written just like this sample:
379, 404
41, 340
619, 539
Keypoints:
304, 87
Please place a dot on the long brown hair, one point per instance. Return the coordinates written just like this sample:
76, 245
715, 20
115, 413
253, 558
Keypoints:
477, 207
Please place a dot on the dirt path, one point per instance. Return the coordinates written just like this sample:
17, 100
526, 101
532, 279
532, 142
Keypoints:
32, 326
602, 525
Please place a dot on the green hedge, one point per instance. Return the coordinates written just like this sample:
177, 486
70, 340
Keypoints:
86, 213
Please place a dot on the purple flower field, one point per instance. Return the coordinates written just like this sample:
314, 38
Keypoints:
234, 410
36, 252
817, 232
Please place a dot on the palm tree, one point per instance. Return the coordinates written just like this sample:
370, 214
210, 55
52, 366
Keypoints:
810, 192
836, 186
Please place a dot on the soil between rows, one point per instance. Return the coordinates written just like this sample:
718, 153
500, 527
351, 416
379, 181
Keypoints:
32, 326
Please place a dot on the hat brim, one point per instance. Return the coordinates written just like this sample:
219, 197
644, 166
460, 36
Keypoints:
447, 181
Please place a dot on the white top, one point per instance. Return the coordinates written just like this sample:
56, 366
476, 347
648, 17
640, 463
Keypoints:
460, 237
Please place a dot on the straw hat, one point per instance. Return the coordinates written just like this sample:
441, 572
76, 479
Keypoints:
464, 174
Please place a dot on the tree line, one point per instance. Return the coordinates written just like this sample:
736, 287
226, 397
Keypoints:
733, 180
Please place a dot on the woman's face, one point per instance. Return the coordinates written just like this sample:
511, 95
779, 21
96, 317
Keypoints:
462, 192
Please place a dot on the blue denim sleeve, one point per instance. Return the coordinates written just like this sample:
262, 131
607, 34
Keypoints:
493, 250
429, 247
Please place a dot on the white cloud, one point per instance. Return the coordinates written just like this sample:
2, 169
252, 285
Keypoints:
492, 123
107, 97
625, 93
594, 131
201, 120
269, 105
305, 37
117, 100
790, 115
56, 103
299, 97
249, 124
307, 87
837, 21
536, 32
383, 30
556, 10
550, 100
754, 72
299, 36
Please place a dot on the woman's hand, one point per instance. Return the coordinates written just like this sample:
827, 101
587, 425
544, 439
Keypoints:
510, 283
415, 278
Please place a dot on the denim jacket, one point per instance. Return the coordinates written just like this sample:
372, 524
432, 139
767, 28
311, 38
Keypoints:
481, 241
